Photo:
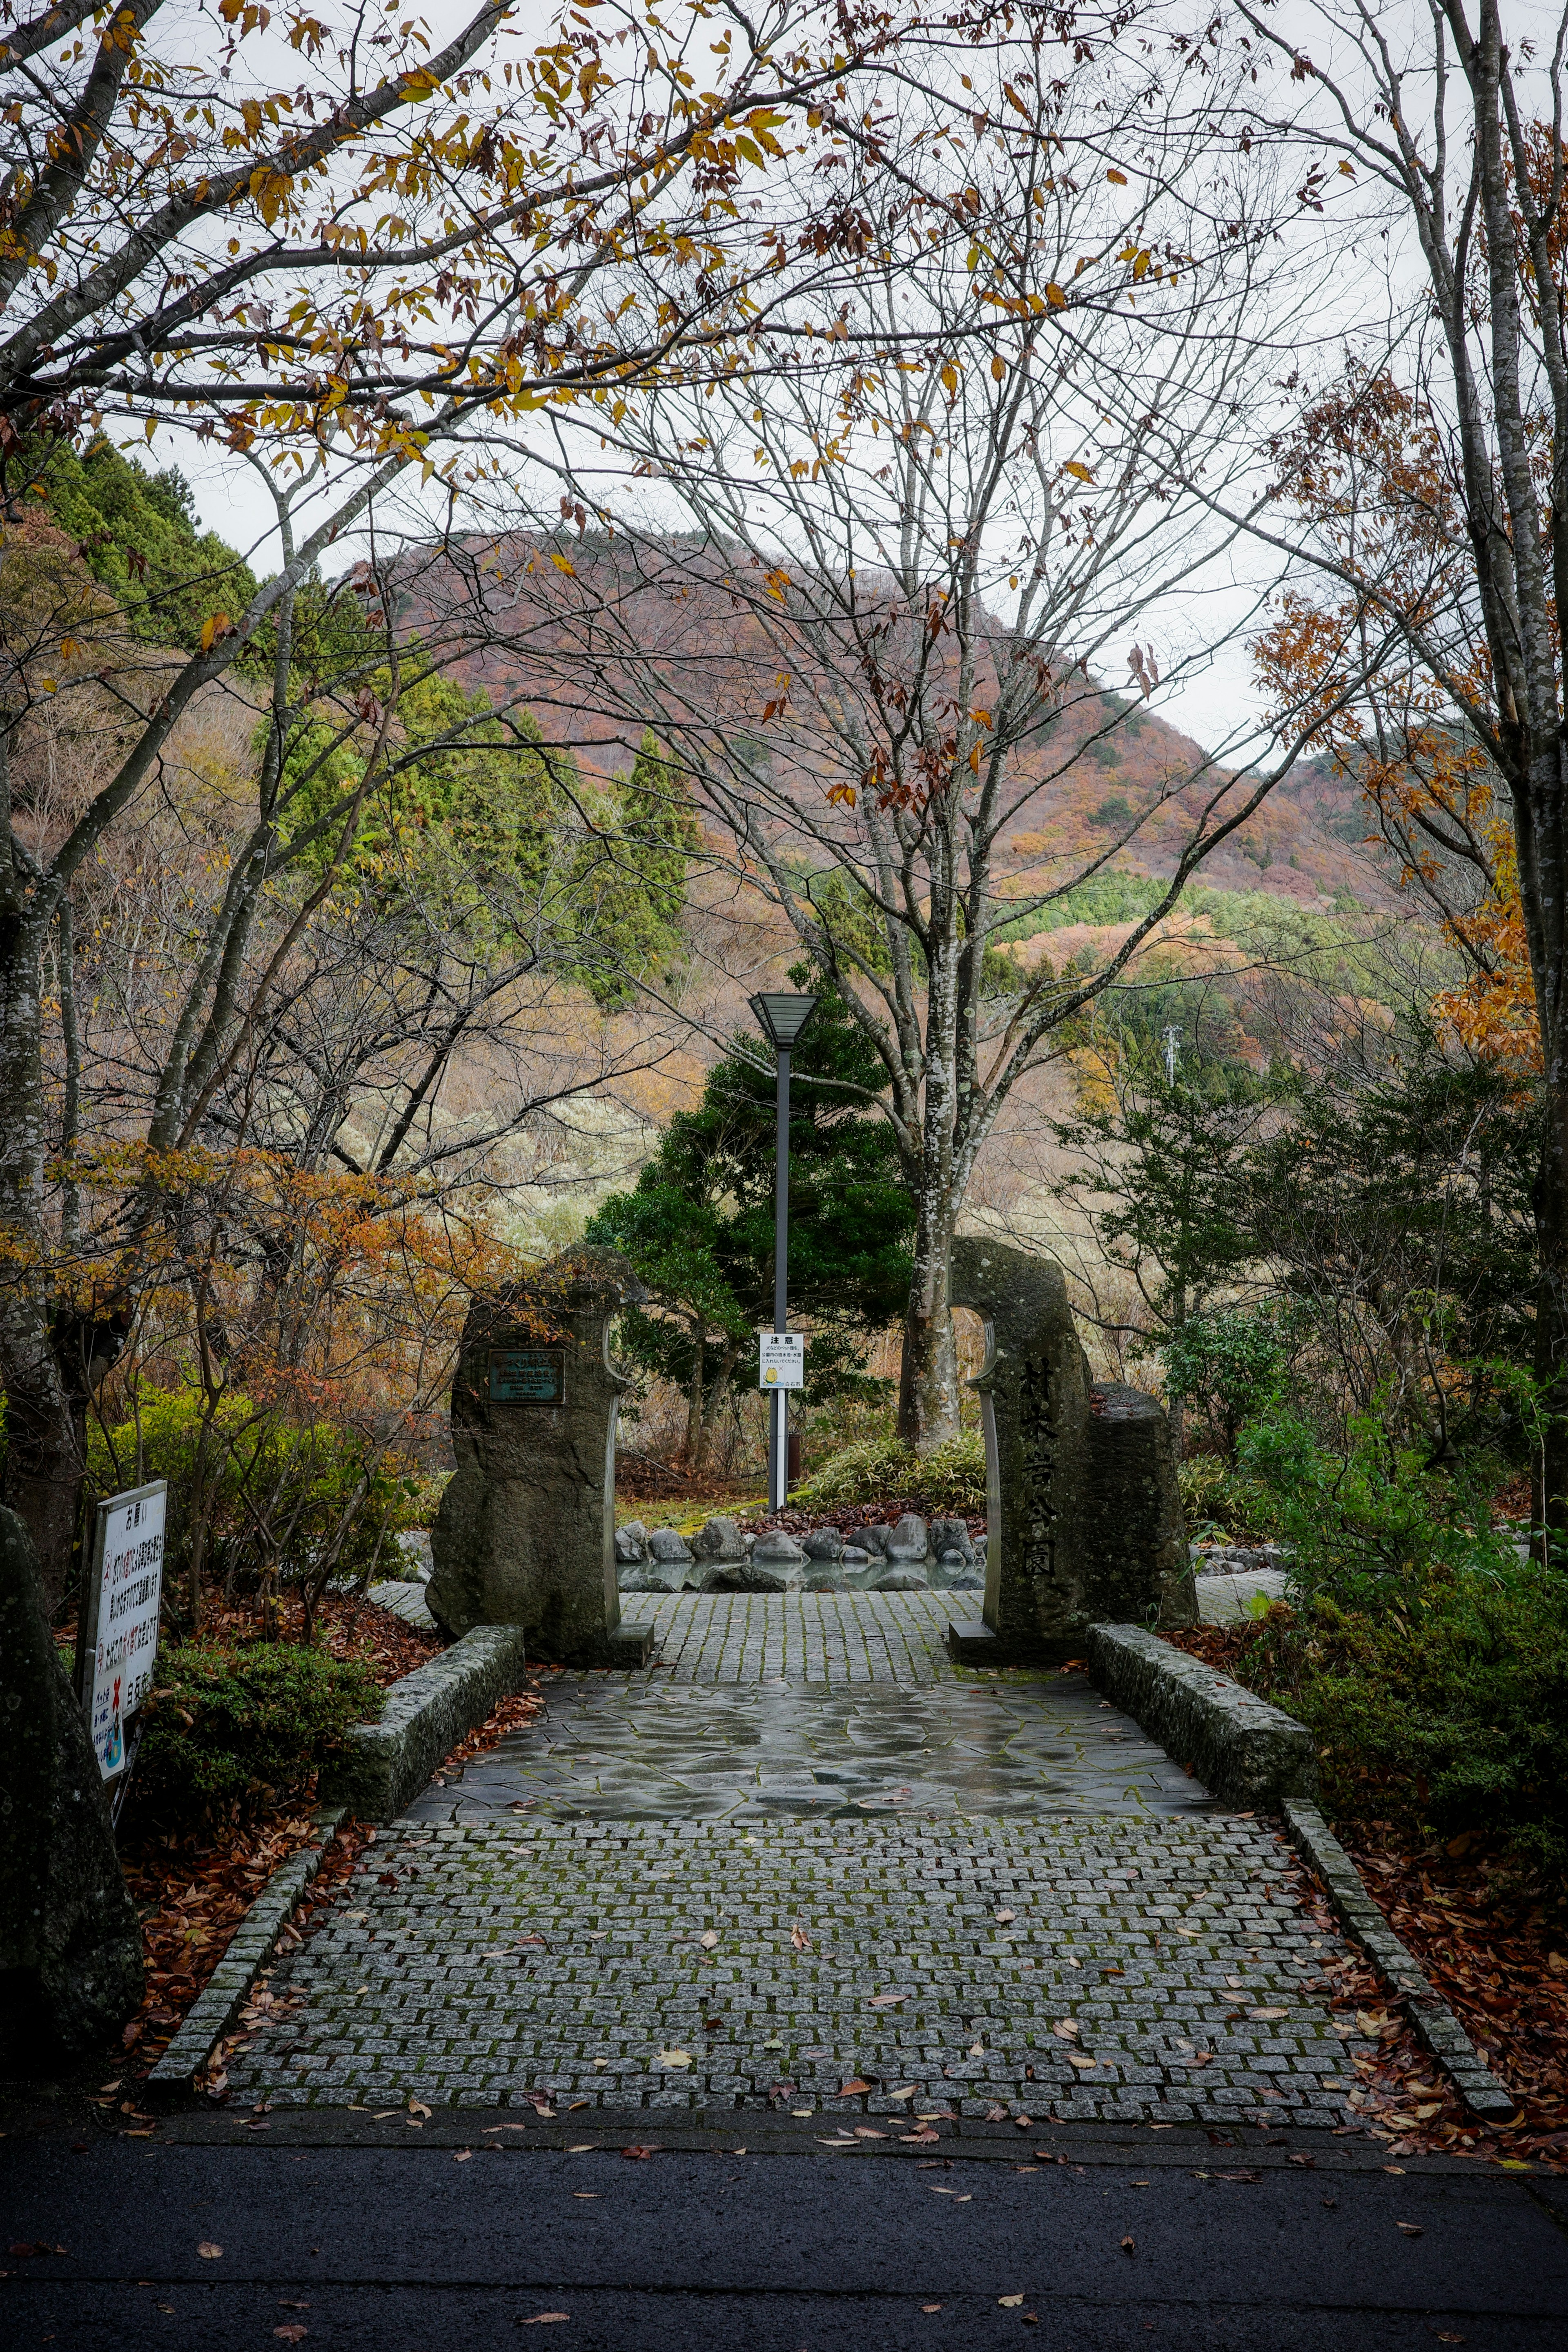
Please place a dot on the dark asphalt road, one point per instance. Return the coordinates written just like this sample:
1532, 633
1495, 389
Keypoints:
787, 2248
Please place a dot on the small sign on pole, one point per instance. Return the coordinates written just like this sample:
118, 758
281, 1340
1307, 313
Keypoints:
782, 1362
125, 1590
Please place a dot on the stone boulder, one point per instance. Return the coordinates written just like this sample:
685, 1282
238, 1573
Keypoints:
824, 1544
901, 1580
951, 1536
748, 1576
70, 1950
631, 1546
875, 1540
908, 1542
775, 1549
854, 1556
669, 1548
719, 1539
413, 1563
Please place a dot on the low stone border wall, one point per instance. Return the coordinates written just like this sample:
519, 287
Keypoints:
1436, 2027
1248, 1753
1254, 1755
427, 1713
250, 1947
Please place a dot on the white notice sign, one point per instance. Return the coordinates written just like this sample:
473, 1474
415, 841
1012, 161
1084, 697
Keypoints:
127, 1544
783, 1363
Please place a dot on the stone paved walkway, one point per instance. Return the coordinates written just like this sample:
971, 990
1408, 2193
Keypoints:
831, 1887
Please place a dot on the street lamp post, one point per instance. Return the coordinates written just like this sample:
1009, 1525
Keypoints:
781, 1020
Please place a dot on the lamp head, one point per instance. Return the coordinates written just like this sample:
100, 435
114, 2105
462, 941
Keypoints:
782, 1018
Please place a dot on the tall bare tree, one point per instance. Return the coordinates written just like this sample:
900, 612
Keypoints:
1427, 488
873, 603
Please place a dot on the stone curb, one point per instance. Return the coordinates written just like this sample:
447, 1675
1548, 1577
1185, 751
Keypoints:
1250, 1754
1437, 2028
387, 1763
250, 1947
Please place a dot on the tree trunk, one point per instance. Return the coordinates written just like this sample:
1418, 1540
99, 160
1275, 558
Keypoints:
44, 1455
928, 1372
1549, 1482
696, 1428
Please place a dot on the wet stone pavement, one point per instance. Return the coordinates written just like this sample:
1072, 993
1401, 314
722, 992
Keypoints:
823, 1891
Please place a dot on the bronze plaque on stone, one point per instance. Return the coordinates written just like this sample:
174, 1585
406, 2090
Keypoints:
528, 1376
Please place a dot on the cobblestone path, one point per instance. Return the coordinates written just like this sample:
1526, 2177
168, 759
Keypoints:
821, 1888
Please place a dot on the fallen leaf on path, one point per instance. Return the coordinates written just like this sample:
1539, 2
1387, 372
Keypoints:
799, 1938
540, 2318
38, 2246
707, 1939
417, 2107
1006, 1918
1370, 2025
1129, 2245
907, 2092
1010, 2302
930, 2307
1408, 2228
673, 2058
1065, 2028
209, 2253
462, 2155
853, 2089
1084, 2065
1263, 2016
292, 2332
885, 2000
640, 2151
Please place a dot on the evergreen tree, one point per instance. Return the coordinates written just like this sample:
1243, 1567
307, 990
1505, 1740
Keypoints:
698, 1226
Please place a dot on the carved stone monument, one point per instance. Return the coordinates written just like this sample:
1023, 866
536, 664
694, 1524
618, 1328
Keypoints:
525, 1534
1084, 1518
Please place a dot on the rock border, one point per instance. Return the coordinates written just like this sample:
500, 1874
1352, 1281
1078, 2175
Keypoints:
388, 1762
1248, 1752
1436, 2027
250, 1947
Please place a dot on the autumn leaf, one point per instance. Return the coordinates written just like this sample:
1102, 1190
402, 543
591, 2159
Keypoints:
707, 1939
292, 2332
673, 2058
853, 2089
1010, 2302
208, 2252
1408, 2228
1055, 297
542, 2318
885, 2000
1129, 2246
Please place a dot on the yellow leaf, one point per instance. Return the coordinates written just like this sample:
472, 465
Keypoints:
1119, 177
998, 366
1082, 472
673, 2058
216, 626
563, 564
950, 379
1055, 297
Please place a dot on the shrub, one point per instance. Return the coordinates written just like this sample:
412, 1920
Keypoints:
225, 1725
1229, 1366
1216, 1494
1430, 1661
1370, 1526
952, 1477
1448, 1712
277, 1491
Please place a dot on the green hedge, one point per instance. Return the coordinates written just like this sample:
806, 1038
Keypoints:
226, 1724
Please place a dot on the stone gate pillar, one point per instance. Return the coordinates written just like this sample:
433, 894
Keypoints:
525, 1534
1084, 1512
